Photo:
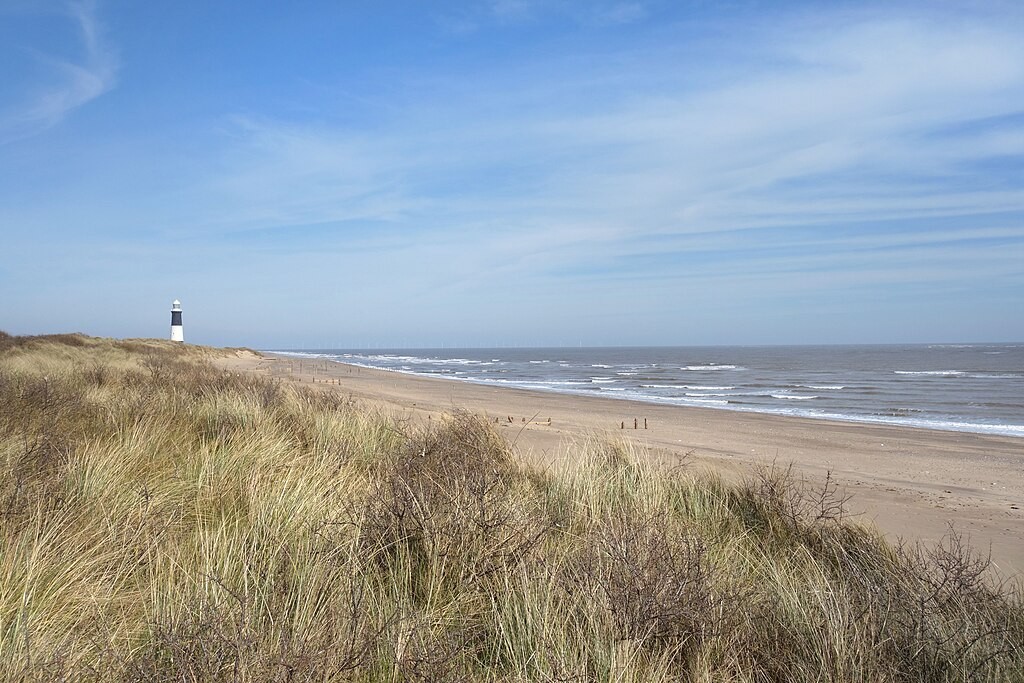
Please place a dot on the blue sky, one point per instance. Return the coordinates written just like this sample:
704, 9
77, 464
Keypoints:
513, 172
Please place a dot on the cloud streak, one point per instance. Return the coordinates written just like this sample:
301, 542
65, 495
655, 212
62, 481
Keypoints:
706, 166
836, 136
70, 83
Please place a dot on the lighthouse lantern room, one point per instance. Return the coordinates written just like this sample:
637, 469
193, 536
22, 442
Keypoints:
177, 331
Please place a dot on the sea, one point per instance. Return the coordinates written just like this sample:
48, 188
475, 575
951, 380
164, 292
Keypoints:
959, 387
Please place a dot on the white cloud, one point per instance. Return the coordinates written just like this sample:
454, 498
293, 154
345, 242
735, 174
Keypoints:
510, 9
520, 174
71, 83
619, 13
528, 173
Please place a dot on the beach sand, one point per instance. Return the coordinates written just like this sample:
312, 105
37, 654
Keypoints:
913, 483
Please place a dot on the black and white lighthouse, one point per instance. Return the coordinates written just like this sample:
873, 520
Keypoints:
177, 331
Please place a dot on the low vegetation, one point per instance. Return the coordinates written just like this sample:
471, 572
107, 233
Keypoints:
163, 520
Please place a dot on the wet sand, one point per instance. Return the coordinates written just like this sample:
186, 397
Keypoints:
913, 483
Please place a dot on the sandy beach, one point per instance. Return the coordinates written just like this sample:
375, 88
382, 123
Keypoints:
913, 483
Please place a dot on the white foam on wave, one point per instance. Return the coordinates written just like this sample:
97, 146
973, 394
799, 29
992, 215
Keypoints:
600, 365
356, 358
305, 354
924, 423
702, 401
943, 373
714, 396
537, 382
694, 387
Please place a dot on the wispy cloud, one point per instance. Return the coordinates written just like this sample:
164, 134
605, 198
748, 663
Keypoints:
747, 166
70, 83
518, 13
840, 127
619, 13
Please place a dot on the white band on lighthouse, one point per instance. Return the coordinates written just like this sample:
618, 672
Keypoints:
177, 331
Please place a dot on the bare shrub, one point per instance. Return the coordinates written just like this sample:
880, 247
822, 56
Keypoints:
239, 638
447, 500
133, 347
776, 496
48, 417
97, 375
656, 580
74, 339
952, 616
428, 654
9, 342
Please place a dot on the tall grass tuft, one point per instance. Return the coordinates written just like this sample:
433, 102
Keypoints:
163, 520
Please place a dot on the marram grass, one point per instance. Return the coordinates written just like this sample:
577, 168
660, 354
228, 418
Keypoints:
162, 520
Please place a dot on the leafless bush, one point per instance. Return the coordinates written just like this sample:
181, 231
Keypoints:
238, 639
656, 580
134, 347
428, 654
47, 417
777, 494
447, 500
951, 611
73, 339
8, 341
97, 375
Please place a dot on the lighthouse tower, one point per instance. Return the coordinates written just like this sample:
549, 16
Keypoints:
177, 331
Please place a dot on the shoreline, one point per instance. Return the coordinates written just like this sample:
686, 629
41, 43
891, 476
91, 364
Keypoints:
910, 481
1013, 431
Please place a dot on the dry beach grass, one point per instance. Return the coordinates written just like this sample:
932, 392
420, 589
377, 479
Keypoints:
162, 519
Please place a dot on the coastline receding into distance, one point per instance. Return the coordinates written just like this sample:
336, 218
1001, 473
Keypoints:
616, 340
968, 388
911, 482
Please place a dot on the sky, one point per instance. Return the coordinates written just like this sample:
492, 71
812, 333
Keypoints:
513, 173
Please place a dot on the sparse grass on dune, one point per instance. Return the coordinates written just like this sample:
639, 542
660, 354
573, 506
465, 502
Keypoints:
164, 520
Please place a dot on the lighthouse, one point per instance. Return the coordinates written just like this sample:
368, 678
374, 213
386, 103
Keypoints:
177, 331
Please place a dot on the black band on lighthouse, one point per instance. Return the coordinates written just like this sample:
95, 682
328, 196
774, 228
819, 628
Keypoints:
175, 317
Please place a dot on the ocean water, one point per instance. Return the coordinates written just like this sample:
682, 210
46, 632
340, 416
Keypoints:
961, 387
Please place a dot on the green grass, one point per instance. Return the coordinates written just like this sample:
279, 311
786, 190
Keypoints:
163, 520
